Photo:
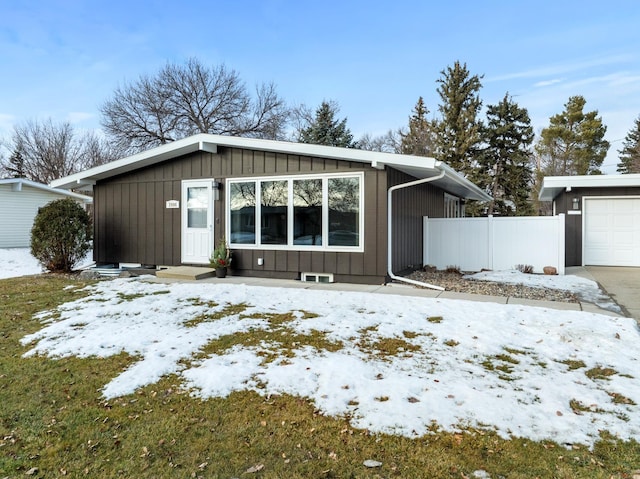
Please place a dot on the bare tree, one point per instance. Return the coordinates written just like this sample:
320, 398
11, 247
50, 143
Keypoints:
390, 142
181, 100
43, 151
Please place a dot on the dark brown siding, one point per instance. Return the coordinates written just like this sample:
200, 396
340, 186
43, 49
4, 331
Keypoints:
573, 223
133, 226
410, 205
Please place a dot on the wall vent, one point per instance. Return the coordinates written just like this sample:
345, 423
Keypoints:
317, 277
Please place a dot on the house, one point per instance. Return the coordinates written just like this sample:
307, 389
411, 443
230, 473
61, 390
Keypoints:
20, 200
288, 210
602, 223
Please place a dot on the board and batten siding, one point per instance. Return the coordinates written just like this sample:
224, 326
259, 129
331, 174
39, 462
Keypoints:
410, 205
18, 210
132, 224
573, 225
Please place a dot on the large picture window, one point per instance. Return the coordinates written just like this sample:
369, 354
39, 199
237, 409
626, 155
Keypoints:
302, 212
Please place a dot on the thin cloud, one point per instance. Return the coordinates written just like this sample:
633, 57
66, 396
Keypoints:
548, 82
559, 69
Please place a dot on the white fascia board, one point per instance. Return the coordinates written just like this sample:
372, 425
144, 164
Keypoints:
19, 182
421, 167
552, 186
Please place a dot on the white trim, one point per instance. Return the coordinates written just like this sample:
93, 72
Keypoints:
552, 186
419, 167
17, 183
325, 247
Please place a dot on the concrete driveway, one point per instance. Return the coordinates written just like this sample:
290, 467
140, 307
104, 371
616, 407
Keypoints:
622, 284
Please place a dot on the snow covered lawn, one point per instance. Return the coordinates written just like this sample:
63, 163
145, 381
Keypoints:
392, 364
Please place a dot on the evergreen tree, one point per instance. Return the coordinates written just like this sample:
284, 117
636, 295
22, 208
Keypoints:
16, 166
420, 139
459, 129
505, 170
630, 153
326, 129
573, 143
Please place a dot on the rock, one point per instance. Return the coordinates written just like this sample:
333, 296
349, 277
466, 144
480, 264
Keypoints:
89, 274
371, 463
550, 270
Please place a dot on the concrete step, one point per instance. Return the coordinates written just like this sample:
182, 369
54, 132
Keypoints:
186, 272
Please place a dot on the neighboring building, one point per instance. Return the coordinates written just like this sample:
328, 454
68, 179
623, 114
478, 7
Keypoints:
286, 209
602, 217
20, 200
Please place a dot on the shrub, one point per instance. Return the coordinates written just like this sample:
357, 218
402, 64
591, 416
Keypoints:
61, 235
525, 268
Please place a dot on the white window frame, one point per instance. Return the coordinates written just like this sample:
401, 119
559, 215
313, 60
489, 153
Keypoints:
290, 216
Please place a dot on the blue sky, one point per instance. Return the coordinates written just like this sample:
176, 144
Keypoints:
63, 59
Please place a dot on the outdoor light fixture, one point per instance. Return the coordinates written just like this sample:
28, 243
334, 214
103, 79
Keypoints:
216, 186
576, 203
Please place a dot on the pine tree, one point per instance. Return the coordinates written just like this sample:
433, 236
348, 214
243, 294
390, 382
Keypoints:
420, 139
16, 166
505, 161
630, 153
459, 129
325, 129
573, 143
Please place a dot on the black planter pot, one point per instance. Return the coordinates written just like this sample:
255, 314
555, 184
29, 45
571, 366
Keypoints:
221, 272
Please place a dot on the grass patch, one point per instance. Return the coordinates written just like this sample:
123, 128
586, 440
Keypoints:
228, 310
435, 319
53, 418
600, 373
620, 399
573, 364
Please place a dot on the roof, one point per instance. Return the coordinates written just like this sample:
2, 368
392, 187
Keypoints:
18, 183
418, 167
552, 186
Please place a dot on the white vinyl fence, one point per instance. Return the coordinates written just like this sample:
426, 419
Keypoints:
473, 244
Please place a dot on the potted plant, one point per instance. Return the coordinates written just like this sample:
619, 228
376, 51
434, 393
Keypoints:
221, 259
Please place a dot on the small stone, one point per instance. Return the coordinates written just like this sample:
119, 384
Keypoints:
32, 471
371, 463
550, 270
88, 274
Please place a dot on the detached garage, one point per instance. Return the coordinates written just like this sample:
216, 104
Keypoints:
602, 217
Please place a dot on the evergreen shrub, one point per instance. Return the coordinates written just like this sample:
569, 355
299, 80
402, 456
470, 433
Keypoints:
61, 235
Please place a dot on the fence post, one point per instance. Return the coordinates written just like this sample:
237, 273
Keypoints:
561, 243
425, 241
490, 245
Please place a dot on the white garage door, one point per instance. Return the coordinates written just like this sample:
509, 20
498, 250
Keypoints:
611, 231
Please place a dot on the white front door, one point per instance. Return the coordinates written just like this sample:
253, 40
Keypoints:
197, 221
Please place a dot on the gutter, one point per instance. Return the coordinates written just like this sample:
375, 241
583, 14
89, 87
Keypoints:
390, 230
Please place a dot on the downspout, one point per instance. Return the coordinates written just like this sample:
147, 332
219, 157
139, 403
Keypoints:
390, 230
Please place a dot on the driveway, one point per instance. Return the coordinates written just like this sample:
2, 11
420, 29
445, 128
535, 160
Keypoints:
622, 284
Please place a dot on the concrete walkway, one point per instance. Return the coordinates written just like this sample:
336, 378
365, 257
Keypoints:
399, 289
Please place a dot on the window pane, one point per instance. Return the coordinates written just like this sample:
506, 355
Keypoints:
197, 206
273, 212
344, 211
307, 210
242, 205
